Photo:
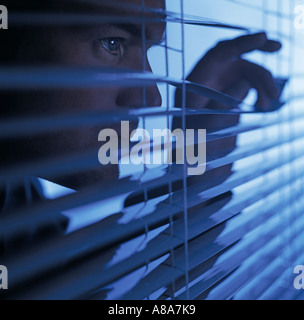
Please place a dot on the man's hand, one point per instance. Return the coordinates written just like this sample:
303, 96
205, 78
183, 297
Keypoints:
224, 70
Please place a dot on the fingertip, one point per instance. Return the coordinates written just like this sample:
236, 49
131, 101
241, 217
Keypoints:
274, 45
271, 46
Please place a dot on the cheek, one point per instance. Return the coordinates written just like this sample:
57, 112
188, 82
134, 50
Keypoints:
83, 101
103, 99
60, 102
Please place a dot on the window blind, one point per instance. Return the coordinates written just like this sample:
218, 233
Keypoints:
157, 233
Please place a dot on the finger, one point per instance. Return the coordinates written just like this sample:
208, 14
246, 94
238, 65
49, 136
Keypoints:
229, 49
260, 78
238, 90
263, 103
271, 46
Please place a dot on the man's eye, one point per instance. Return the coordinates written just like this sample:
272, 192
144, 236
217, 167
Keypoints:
113, 45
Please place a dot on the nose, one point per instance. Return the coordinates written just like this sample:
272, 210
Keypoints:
138, 97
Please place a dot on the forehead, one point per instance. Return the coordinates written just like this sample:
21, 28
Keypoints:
148, 11
132, 7
129, 7
130, 13
154, 4
142, 8
151, 12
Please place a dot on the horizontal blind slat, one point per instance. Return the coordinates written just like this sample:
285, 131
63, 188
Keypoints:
150, 282
230, 289
161, 213
255, 221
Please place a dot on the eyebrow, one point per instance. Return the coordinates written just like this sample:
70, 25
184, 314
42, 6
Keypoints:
134, 29
137, 30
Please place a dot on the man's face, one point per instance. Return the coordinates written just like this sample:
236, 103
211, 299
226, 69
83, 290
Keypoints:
107, 45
